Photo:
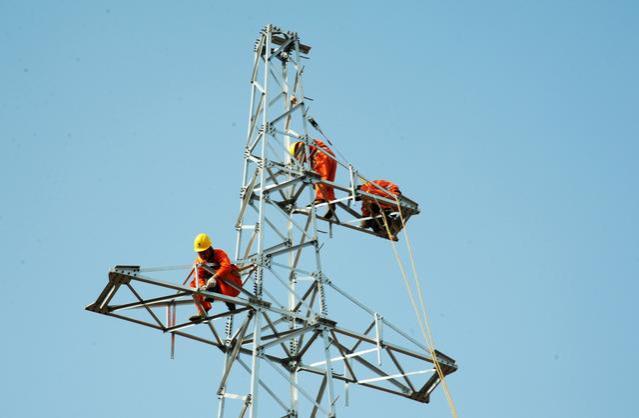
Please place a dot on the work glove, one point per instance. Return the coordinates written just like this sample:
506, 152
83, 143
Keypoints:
210, 284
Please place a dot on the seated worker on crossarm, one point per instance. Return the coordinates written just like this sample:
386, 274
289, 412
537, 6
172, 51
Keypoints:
226, 275
372, 207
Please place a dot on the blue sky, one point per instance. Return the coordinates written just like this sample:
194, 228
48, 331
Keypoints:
513, 123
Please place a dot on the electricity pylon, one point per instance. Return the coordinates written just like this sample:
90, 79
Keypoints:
280, 332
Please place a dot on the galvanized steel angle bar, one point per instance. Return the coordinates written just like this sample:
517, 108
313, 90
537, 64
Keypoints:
214, 332
135, 321
263, 385
298, 171
298, 255
400, 369
100, 303
359, 340
249, 337
287, 113
350, 210
289, 132
208, 320
394, 376
318, 398
346, 225
256, 58
275, 331
278, 186
281, 95
344, 354
291, 291
259, 87
351, 298
145, 306
107, 295
278, 337
164, 268
375, 369
273, 298
329, 371
429, 386
298, 387
292, 269
269, 145
312, 288
189, 290
289, 248
338, 187
247, 194
236, 344
249, 246
392, 346
250, 146
349, 355
147, 302
259, 137
408, 337
276, 78
245, 404
383, 375
296, 195
256, 356
299, 228
308, 344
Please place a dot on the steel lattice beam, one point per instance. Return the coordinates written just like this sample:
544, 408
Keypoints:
282, 311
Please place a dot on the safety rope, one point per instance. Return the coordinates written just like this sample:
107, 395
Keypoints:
422, 317
315, 125
420, 295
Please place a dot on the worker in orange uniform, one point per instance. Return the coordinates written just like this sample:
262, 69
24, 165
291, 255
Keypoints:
226, 280
323, 162
372, 207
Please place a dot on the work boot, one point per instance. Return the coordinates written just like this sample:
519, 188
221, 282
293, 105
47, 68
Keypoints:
365, 224
230, 305
198, 317
330, 212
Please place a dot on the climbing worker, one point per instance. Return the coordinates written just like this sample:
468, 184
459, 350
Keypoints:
372, 207
323, 162
226, 280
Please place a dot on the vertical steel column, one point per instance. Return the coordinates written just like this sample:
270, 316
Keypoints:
228, 332
255, 360
329, 374
262, 167
245, 169
292, 277
255, 363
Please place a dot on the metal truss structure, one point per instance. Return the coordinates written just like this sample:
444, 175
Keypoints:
279, 331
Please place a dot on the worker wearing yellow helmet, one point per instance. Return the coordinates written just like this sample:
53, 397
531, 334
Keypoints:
226, 280
323, 162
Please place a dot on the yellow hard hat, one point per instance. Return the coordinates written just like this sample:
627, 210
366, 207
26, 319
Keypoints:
293, 147
202, 243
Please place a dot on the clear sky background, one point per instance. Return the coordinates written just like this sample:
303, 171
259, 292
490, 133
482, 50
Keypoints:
513, 123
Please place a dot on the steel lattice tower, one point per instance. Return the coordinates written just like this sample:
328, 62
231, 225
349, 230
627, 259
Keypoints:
281, 333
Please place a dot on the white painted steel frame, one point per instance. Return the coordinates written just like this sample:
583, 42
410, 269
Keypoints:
277, 192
